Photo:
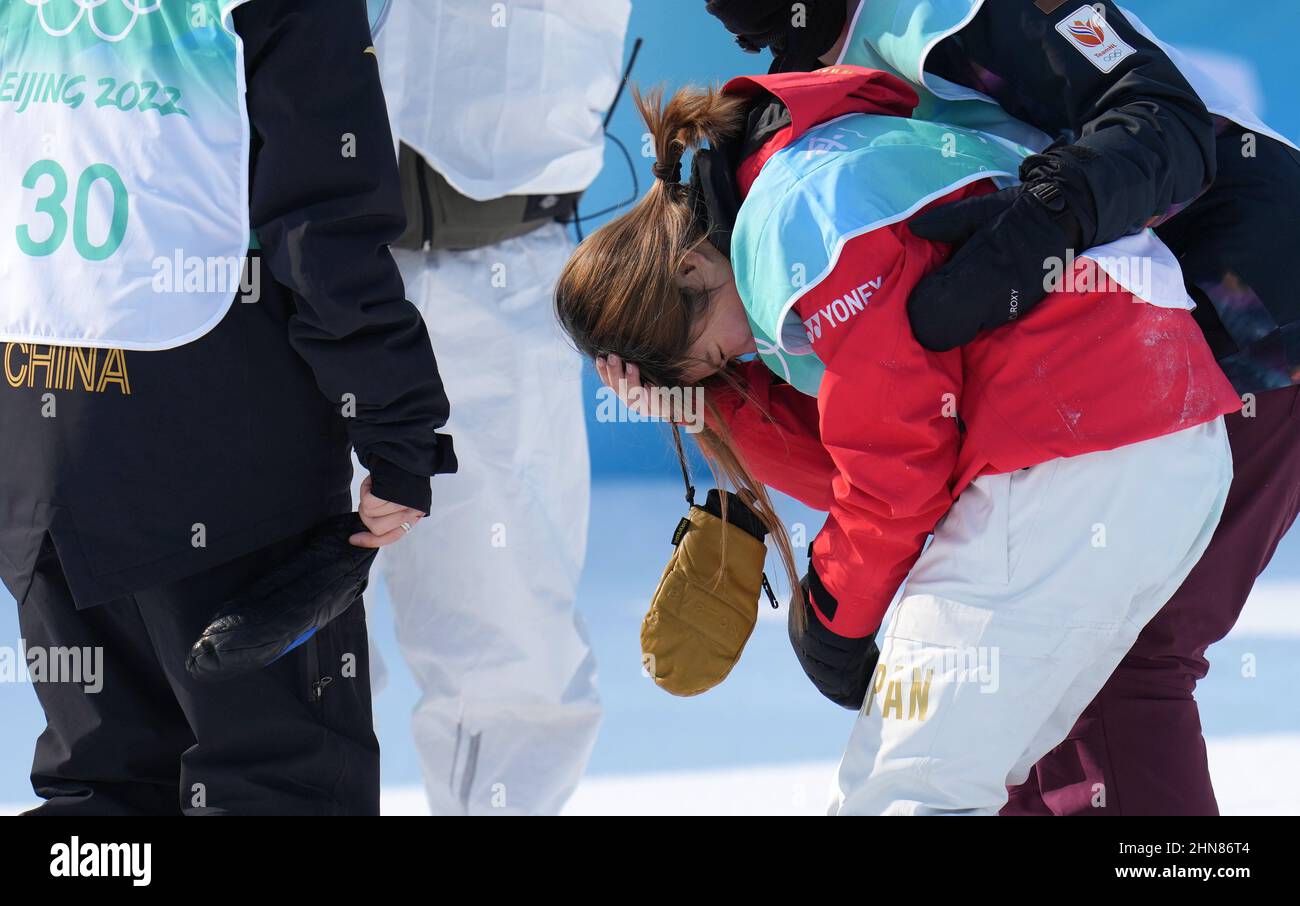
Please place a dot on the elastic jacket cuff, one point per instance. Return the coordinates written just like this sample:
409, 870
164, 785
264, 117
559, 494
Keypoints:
738, 513
396, 485
823, 602
1063, 168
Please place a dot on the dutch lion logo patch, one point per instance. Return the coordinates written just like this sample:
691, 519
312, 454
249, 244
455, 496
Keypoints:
1090, 34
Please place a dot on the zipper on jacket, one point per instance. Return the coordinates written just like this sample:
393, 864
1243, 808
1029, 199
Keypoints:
318, 683
426, 203
318, 689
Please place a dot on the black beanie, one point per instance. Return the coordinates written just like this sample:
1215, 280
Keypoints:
771, 23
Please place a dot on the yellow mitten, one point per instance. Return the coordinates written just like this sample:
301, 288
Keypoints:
706, 604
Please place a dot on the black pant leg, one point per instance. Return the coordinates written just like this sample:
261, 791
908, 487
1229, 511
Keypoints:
111, 746
296, 738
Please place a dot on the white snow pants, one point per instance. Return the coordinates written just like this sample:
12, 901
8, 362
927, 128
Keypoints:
1035, 585
484, 589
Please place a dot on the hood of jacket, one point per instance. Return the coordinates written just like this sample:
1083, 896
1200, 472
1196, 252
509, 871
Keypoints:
782, 107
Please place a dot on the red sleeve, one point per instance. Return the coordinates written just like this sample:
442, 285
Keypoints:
774, 429
887, 422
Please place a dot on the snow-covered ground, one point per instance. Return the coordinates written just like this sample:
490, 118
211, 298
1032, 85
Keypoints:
1245, 772
764, 742
802, 788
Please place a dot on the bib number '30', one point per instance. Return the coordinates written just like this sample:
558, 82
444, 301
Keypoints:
53, 206
124, 171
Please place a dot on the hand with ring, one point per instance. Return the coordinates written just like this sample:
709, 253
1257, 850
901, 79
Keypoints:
386, 521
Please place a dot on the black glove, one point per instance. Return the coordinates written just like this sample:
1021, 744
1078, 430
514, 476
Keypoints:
286, 607
1006, 241
840, 668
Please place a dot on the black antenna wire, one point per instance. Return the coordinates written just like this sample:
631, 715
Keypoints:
627, 155
622, 86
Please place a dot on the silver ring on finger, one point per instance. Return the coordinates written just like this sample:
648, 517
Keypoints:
407, 527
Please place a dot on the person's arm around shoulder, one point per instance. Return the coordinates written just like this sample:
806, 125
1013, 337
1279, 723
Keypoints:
1143, 149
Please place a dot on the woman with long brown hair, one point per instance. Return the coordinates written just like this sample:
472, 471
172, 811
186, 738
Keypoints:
1071, 469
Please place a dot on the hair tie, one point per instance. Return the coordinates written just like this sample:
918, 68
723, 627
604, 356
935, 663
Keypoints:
669, 173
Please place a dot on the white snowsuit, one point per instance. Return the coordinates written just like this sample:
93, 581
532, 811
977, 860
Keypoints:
1034, 587
501, 99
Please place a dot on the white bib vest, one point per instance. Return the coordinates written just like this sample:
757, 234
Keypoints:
858, 173
124, 216
897, 36
503, 98
1217, 100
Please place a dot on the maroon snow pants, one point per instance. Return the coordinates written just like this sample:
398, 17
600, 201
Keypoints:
1137, 749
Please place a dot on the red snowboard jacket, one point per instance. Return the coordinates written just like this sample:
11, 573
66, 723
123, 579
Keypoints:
880, 448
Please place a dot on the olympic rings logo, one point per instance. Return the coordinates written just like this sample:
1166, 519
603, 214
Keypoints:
774, 351
86, 10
